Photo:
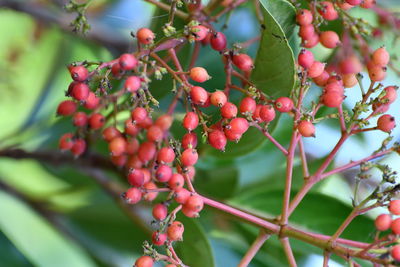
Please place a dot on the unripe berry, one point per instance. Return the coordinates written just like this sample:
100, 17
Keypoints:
368, 3
306, 128
386, 123
189, 140
198, 95
144, 261
284, 104
395, 252
160, 212
136, 177
80, 91
181, 195
80, 119
66, 142
133, 195
322, 79
164, 121
127, 62
217, 139
66, 108
332, 99
131, 128
383, 222
194, 203
395, 226
329, 39
229, 110
316, 69
267, 113
132, 84
166, 155
189, 157
139, 114
145, 36
96, 121
175, 231
164, 173
150, 196
78, 147
243, 62
155, 134
119, 161
159, 238
390, 94
380, 57
147, 151
218, 41
239, 125
199, 32
176, 181
328, 11
377, 73
304, 17
247, 106
132, 146
79, 73
218, 98
117, 146
199, 74
92, 101
305, 58
190, 121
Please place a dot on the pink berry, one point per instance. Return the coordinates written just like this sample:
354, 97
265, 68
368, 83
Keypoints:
305, 58
329, 39
368, 3
218, 41
79, 147
199, 74
160, 212
155, 134
181, 195
136, 177
117, 146
284, 104
332, 99
96, 121
354, 2
139, 114
306, 128
217, 139
395, 226
127, 62
80, 91
164, 121
316, 69
350, 65
132, 84
199, 32
198, 95
92, 101
383, 222
386, 123
145, 36
189, 157
147, 151
243, 62
66, 142
304, 17
247, 106
390, 94
175, 231
189, 140
239, 125
229, 110
194, 203
190, 121
150, 196
380, 57
158, 238
322, 79
144, 261
328, 11
164, 173
80, 119
110, 133
307, 32
312, 41
133, 195
218, 98
166, 155
176, 181
66, 108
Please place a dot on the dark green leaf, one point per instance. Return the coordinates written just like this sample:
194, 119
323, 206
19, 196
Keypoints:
219, 182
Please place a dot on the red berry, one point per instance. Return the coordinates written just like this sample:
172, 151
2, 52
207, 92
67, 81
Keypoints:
243, 62
306, 128
334, 87
218, 41
349, 80
110, 133
181, 195
92, 101
390, 94
329, 39
189, 157
127, 62
232, 136
132, 147
132, 84
79, 73
155, 134
218, 98
188, 171
199, 74
332, 99
150, 196
256, 116
305, 58
316, 69
164, 122
354, 2
136, 177
80, 119
117, 146
307, 32
368, 3
395, 226
119, 160
131, 128
163, 173
322, 79
66, 142
96, 121
158, 238
198, 95
304, 17
328, 11
176, 181
376, 73
78, 147
267, 113
189, 213
175, 231
380, 57
190, 121
145, 36
116, 70
311, 41
217, 139
160, 212
350, 65
166, 155
284, 104
199, 32
80, 91
229, 110
194, 203
383, 222
139, 114
66, 108
189, 140
239, 125
147, 151
146, 123
386, 123
247, 106
144, 261
395, 252
133, 195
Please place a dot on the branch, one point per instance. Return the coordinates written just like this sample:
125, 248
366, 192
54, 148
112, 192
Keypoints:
255, 247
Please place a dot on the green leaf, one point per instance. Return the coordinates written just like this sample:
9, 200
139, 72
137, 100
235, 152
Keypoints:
36, 239
196, 250
219, 182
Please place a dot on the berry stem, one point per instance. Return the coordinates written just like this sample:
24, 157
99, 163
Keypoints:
288, 251
303, 158
254, 248
166, 7
270, 138
341, 119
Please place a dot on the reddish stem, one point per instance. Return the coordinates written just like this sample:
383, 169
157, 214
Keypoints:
254, 248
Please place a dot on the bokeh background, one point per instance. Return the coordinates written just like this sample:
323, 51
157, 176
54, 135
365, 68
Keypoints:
56, 212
